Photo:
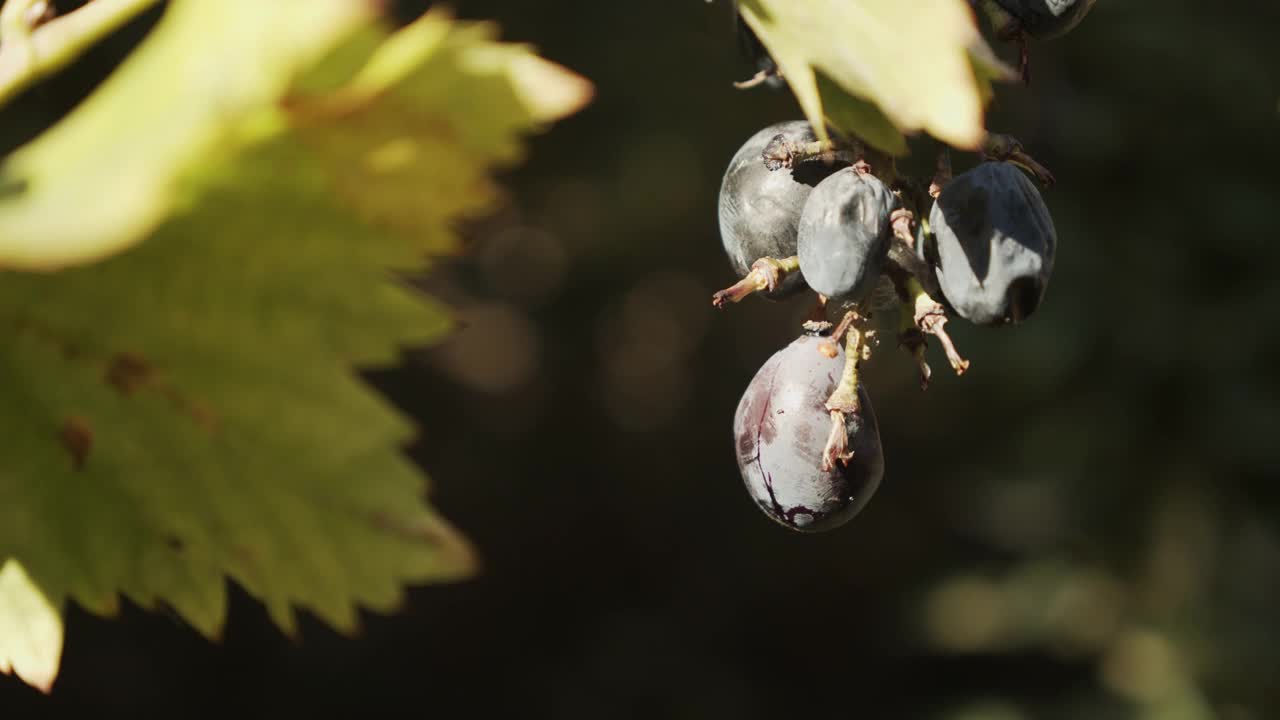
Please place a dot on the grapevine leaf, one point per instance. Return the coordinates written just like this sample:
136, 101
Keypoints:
381, 130
119, 161
911, 60
987, 70
186, 410
863, 118
30, 628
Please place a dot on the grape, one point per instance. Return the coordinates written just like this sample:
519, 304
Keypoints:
995, 244
1046, 19
760, 208
782, 425
844, 234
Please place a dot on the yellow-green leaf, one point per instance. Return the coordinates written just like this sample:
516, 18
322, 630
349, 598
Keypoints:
909, 59
187, 409
118, 162
30, 628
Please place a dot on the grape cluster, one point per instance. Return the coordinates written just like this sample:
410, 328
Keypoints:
835, 217
797, 214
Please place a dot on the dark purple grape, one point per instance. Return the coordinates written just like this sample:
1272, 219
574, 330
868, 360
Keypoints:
995, 244
760, 208
782, 425
844, 234
1046, 19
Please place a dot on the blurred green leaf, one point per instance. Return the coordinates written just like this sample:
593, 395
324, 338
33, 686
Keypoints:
987, 70
863, 118
187, 410
30, 628
109, 174
911, 60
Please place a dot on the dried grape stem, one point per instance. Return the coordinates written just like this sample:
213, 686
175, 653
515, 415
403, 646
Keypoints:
844, 400
818, 311
931, 318
998, 146
758, 79
902, 220
837, 447
782, 153
765, 275
830, 345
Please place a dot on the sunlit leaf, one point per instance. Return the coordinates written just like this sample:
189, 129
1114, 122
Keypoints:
187, 410
110, 173
911, 60
30, 628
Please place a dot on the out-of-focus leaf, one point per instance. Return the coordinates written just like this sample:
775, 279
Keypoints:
911, 60
187, 410
987, 70
383, 130
852, 114
30, 628
111, 172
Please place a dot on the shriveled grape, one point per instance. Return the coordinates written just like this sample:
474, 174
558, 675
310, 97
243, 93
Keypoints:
782, 425
844, 234
760, 208
995, 244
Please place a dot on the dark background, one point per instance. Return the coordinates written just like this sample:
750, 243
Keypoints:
1084, 526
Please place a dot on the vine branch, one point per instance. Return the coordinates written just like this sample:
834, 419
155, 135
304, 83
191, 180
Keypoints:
28, 55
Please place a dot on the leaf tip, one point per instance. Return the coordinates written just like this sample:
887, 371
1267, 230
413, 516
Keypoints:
30, 629
550, 90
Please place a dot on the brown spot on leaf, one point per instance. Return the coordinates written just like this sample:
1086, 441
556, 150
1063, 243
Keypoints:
203, 415
129, 372
77, 438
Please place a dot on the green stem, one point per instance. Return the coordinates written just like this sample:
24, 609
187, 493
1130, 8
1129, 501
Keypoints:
845, 397
26, 57
844, 401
